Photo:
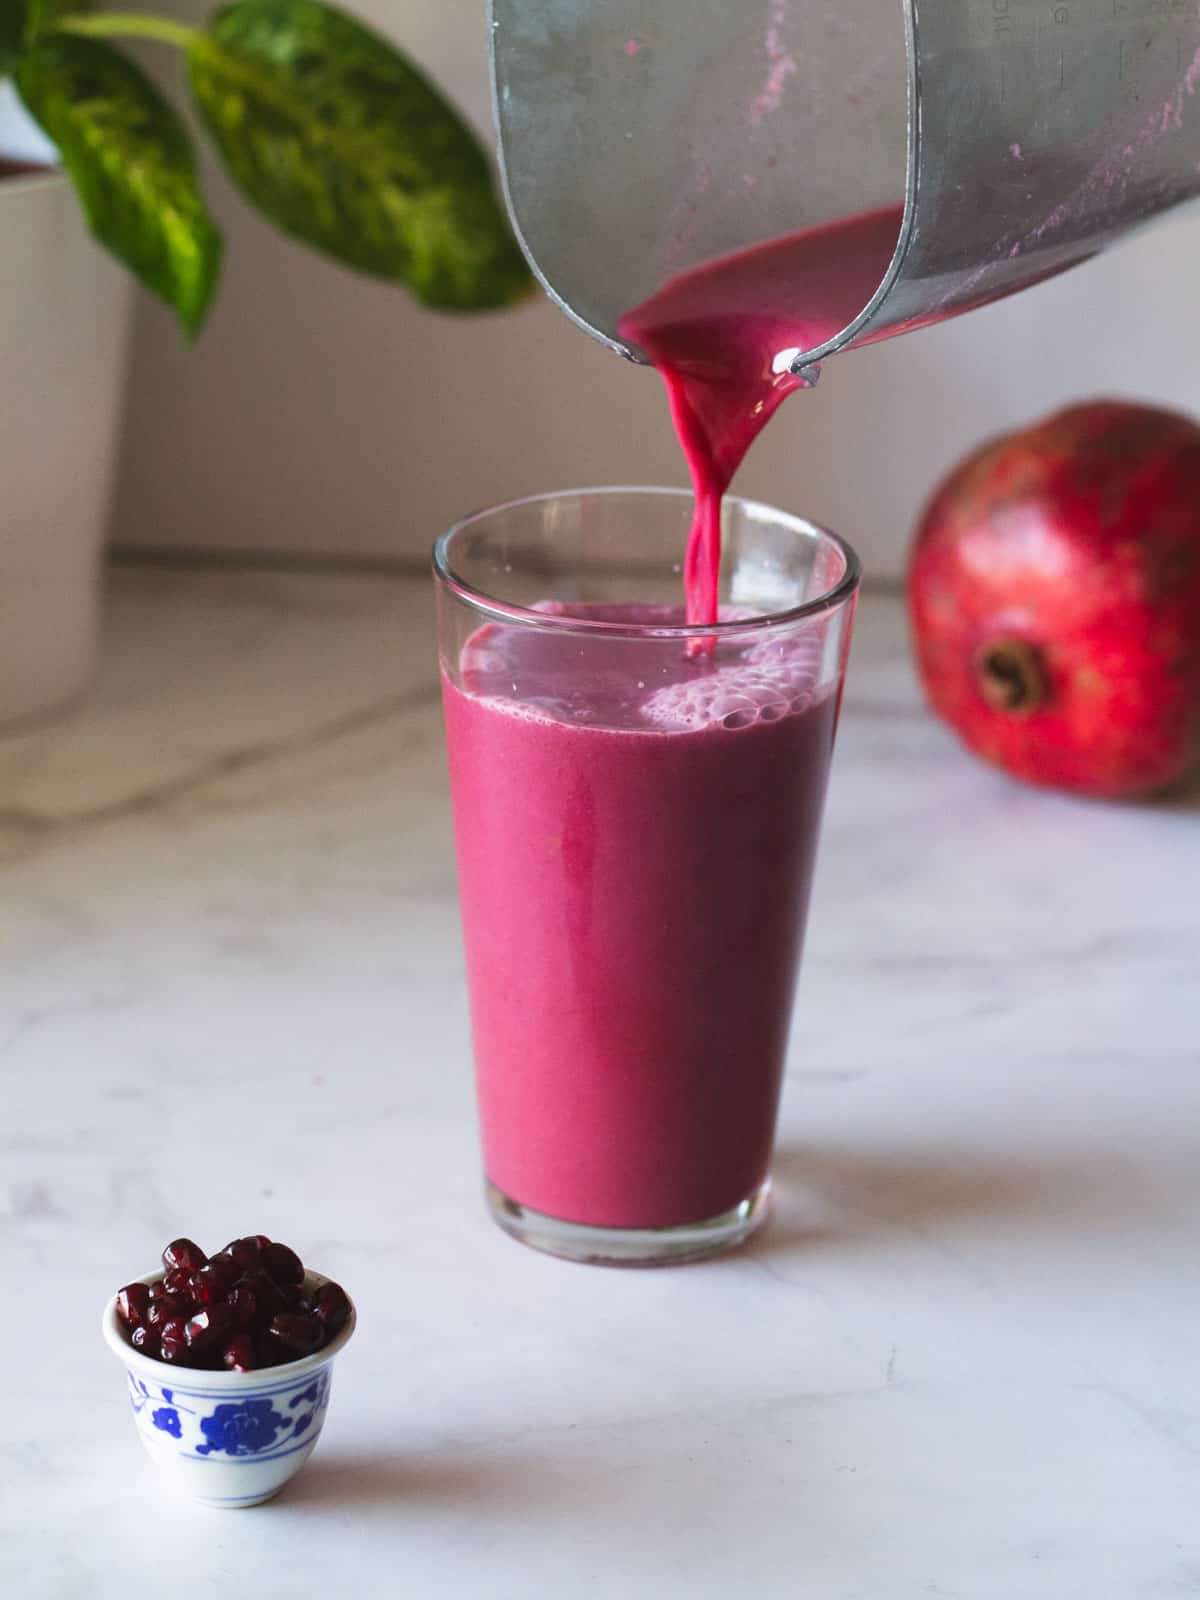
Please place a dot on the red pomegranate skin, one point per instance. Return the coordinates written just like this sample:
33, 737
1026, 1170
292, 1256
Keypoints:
1054, 594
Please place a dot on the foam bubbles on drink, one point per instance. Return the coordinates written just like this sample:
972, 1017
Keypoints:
601, 682
736, 695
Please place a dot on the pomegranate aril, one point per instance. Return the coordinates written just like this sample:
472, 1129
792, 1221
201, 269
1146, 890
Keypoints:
206, 1327
268, 1352
173, 1339
239, 1355
245, 1253
213, 1282
225, 1270
332, 1307
243, 1305
179, 1281
145, 1339
185, 1253
165, 1307
268, 1295
284, 1265
133, 1302
297, 1332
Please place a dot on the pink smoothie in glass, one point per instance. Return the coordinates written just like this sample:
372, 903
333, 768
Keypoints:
635, 848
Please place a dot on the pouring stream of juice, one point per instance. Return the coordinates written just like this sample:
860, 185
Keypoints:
724, 336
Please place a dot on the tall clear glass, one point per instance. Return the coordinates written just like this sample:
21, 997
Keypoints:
636, 809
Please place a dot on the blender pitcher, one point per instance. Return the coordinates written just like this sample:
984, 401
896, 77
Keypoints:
641, 138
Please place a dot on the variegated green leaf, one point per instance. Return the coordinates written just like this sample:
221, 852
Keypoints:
343, 143
131, 163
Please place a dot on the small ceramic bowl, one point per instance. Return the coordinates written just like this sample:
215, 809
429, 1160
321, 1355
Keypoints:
228, 1438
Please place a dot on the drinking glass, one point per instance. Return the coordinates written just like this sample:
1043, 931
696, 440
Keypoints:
636, 808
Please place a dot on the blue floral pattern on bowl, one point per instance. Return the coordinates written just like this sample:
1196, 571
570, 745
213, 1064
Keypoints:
244, 1428
190, 1424
241, 1429
166, 1418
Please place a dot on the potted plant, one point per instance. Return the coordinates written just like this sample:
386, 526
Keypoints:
324, 126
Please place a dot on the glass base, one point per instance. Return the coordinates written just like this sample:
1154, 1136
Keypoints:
630, 1247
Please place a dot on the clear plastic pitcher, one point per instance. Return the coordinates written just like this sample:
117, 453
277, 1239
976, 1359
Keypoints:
641, 138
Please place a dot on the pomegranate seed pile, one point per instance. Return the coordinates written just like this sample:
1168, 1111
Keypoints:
244, 1308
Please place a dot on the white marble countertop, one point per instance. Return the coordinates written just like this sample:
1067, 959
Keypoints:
963, 1360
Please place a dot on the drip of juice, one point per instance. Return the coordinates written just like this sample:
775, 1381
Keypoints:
724, 336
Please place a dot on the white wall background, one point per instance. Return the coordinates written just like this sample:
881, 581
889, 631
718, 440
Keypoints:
323, 413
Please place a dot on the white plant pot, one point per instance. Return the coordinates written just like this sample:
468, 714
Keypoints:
64, 317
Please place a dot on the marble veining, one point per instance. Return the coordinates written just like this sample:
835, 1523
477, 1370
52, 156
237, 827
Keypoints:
962, 1360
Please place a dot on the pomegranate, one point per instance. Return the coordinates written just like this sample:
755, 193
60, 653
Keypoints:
1054, 592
